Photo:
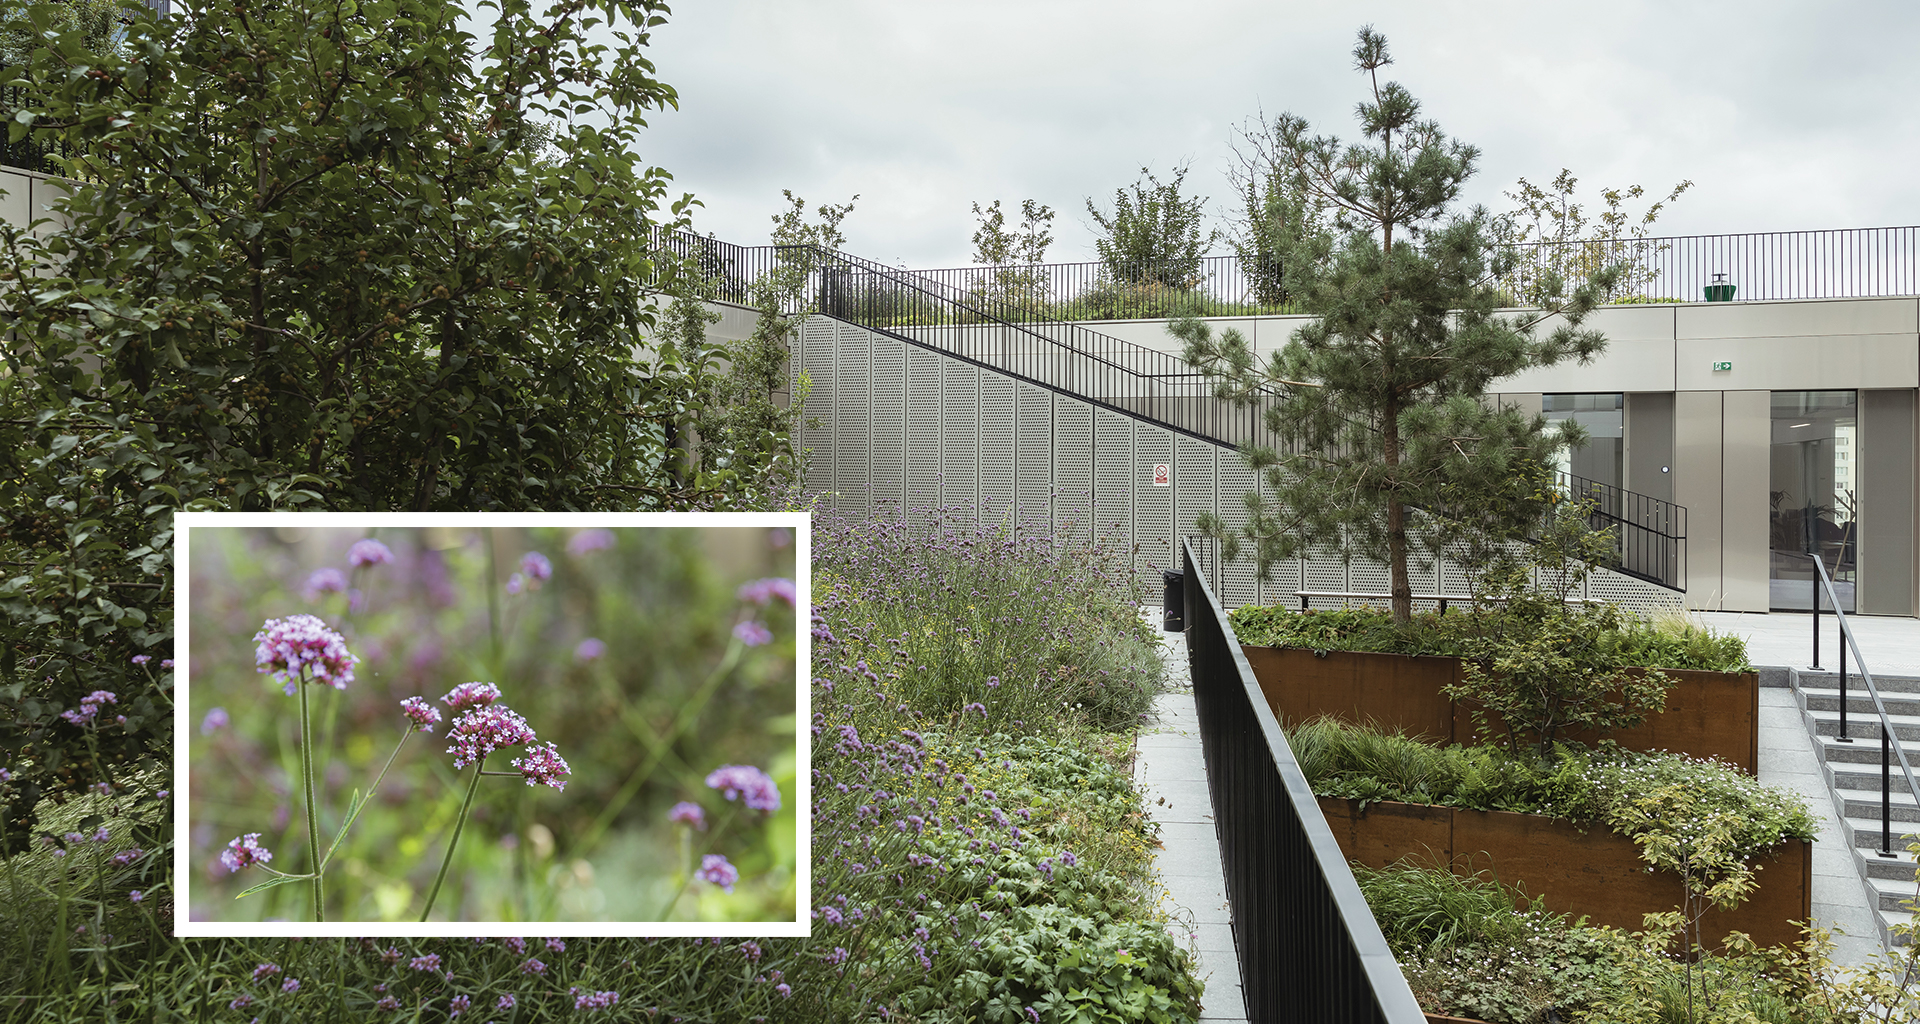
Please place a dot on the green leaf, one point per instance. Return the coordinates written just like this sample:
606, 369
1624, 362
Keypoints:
271, 882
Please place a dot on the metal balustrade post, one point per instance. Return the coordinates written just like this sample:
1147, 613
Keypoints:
1844, 738
1886, 792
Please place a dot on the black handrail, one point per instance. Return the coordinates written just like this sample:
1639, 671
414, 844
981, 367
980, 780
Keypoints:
1310, 949
1889, 749
1650, 534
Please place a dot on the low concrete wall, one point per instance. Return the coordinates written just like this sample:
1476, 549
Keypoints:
1709, 714
1595, 873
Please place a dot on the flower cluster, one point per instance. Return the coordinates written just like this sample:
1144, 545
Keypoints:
752, 634
761, 793
366, 552
484, 730
301, 646
590, 649
89, 707
715, 869
535, 569
686, 813
765, 591
543, 766
589, 541
245, 850
592, 1000
470, 695
424, 715
325, 581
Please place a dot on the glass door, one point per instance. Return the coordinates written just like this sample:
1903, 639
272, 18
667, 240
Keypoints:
1813, 494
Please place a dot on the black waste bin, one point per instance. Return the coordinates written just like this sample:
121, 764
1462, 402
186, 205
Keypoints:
1173, 601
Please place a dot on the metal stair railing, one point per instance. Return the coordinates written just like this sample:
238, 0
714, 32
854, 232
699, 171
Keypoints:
1004, 333
1889, 748
1309, 947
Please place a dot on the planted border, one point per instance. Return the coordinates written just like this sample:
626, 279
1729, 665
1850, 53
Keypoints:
1709, 714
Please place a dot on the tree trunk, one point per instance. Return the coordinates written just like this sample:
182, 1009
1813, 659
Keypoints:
1401, 588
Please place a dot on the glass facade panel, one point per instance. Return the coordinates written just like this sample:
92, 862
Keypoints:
1813, 494
1603, 417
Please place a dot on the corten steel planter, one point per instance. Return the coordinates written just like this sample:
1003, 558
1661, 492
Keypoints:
1596, 873
1709, 714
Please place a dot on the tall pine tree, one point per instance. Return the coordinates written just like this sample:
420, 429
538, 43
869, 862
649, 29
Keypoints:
1381, 408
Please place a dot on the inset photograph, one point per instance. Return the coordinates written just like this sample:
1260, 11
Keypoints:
467, 724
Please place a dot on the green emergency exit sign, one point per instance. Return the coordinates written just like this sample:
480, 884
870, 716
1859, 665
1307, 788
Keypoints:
1717, 367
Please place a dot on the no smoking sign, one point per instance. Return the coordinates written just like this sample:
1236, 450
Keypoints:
1162, 475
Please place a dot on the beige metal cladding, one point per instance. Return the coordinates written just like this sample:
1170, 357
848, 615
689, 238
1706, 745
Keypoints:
1887, 558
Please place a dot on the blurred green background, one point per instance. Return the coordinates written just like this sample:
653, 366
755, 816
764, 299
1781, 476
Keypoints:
640, 725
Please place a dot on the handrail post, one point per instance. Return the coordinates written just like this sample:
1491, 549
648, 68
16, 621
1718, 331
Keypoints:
1886, 791
1844, 738
1816, 620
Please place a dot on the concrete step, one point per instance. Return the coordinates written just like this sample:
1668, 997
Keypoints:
1866, 726
1831, 681
1865, 751
1889, 918
1860, 704
1892, 895
1865, 805
1863, 781
1865, 832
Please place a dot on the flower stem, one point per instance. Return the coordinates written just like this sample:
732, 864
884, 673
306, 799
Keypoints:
687, 879
338, 839
313, 812
459, 824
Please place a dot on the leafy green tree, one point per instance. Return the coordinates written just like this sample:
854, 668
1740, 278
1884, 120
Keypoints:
1153, 236
742, 422
1278, 210
1555, 238
1378, 403
1014, 253
313, 257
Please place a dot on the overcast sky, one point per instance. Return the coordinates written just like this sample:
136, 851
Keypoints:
1785, 115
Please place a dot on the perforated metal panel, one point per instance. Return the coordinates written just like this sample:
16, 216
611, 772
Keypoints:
1073, 467
997, 451
1152, 506
853, 435
816, 357
1323, 569
960, 435
888, 462
923, 430
1033, 468
1627, 592
1234, 481
1369, 577
1113, 464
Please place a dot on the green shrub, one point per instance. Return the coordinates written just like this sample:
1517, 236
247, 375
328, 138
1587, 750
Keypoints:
1666, 640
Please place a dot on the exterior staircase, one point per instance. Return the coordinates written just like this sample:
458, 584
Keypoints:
1853, 778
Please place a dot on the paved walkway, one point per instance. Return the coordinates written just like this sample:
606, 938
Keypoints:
1892, 645
1169, 768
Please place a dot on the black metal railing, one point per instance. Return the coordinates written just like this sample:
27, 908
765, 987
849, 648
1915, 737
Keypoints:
1310, 949
1828, 264
1000, 333
32, 151
1890, 749
1649, 534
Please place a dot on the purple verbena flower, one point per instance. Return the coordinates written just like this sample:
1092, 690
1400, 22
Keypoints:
589, 541
240, 1002
752, 633
517, 944
592, 1000
558, 945
325, 581
484, 730
459, 1005
142, 659
367, 551
245, 850
102, 788
430, 962
535, 567
290, 985
763, 591
100, 834
543, 766
301, 644
785, 990
687, 813
507, 1002
470, 695
135, 896
424, 715
589, 649
533, 966
752, 951
736, 780
128, 856
166, 663
387, 1003
715, 869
